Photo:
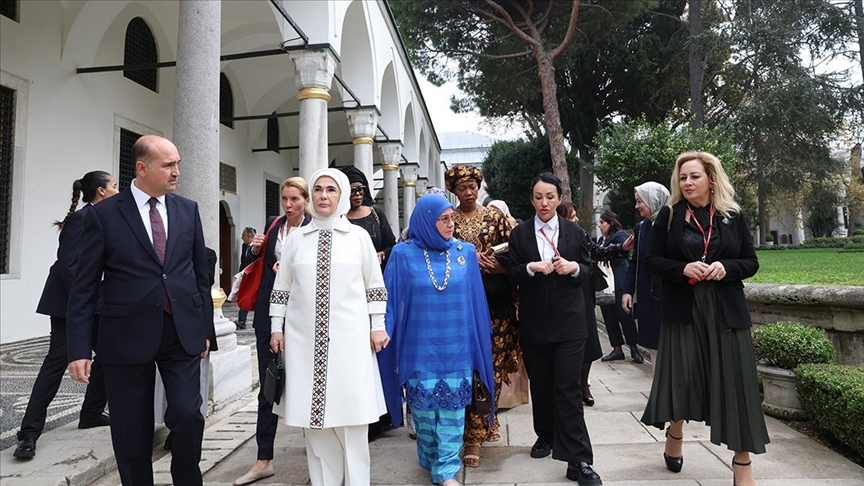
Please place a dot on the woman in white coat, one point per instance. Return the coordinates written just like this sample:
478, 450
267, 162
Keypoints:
328, 278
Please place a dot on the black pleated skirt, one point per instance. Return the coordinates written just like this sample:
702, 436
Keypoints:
707, 372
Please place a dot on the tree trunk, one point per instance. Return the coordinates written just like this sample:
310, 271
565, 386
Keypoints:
859, 19
856, 215
695, 62
586, 182
553, 120
761, 195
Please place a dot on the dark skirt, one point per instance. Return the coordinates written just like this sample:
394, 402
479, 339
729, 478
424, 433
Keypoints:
707, 373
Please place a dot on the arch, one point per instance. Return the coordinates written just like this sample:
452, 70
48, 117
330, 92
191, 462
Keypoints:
140, 48
422, 161
391, 116
358, 66
409, 137
226, 101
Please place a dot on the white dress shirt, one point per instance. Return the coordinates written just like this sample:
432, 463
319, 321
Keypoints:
142, 200
544, 247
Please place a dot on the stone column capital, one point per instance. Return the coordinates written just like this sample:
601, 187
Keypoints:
313, 68
409, 173
362, 122
391, 153
422, 184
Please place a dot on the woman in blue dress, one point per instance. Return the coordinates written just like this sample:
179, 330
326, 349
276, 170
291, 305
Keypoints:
440, 331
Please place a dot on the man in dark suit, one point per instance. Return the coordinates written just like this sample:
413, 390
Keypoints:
148, 246
246, 257
550, 262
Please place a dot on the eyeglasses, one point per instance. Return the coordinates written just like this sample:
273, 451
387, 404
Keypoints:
358, 190
445, 220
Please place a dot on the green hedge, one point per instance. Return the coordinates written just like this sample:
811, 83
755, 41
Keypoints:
833, 396
789, 344
825, 242
858, 232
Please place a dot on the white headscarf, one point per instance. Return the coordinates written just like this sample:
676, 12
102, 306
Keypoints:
342, 207
654, 195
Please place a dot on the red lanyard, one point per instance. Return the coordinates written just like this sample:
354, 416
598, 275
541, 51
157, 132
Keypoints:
549, 240
705, 238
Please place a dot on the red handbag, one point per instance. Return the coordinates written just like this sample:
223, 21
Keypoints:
247, 293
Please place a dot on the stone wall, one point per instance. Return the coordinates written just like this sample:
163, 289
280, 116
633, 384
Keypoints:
837, 310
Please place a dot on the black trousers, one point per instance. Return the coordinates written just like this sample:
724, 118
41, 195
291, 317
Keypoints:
48, 382
617, 320
556, 397
265, 428
130, 395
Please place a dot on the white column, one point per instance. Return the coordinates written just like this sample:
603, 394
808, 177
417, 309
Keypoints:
196, 134
391, 154
409, 190
799, 227
362, 123
313, 73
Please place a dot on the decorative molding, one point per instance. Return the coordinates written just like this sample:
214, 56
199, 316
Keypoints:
316, 93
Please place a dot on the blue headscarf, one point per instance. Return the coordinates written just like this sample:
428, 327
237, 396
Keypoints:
422, 229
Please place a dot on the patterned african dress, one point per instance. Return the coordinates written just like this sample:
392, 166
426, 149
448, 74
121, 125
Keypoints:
485, 229
329, 289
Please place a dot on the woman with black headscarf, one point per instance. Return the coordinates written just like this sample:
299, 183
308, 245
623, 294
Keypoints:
364, 213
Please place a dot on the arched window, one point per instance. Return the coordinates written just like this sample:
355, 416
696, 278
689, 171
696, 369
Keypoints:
140, 48
226, 101
273, 133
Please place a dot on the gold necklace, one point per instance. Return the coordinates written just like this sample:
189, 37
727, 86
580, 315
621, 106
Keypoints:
432, 274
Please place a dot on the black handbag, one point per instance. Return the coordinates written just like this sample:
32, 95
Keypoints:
598, 278
274, 380
481, 399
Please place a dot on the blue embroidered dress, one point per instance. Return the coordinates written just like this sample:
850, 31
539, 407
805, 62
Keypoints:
438, 337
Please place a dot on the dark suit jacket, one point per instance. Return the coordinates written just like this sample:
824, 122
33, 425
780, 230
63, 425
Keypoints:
261, 320
116, 248
551, 307
246, 256
619, 265
55, 295
667, 259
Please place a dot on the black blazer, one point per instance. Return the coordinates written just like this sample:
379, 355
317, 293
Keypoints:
55, 295
116, 246
551, 307
667, 259
261, 318
246, 256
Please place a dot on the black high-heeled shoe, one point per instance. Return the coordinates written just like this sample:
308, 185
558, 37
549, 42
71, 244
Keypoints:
674, 464
736, 463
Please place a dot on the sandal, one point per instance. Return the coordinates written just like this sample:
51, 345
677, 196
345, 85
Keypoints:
471, 460
493, 437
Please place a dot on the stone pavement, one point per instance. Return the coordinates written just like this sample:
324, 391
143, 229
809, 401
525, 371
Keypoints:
626, 452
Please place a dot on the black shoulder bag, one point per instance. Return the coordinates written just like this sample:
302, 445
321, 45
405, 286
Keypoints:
274, 380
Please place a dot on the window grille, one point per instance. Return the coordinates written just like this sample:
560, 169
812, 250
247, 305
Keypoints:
140, 48
7, 145
273, 134
271, 199
227, 178
226, 101
9, 8
127, 165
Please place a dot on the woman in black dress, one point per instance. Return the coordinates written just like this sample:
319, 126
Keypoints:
364, 213
702, 249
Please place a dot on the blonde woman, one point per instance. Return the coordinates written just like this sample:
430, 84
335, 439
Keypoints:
702, 249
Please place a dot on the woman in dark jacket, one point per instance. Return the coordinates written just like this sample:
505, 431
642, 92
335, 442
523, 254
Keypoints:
614, 317
550, 263
295, 199
702, 249
364, 213
92, 188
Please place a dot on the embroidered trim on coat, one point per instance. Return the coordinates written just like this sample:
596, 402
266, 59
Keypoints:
376, 294
322, 328
279, 296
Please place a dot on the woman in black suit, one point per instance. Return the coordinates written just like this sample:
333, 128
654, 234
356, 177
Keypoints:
702, 249
92, 188
550, 263
294, 198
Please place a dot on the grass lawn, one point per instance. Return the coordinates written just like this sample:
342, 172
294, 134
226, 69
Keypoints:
817, 266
